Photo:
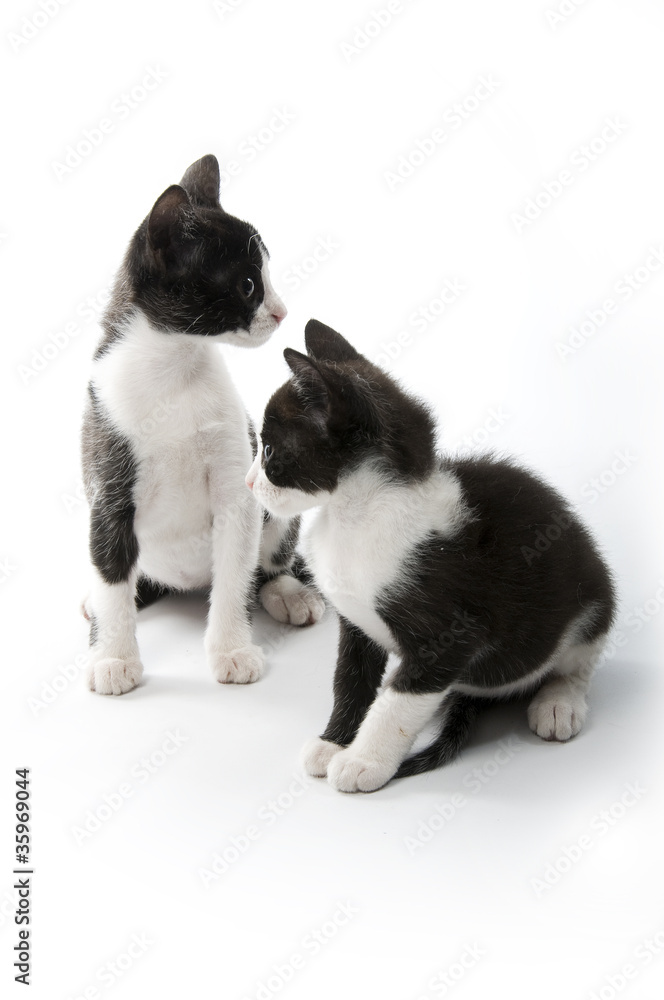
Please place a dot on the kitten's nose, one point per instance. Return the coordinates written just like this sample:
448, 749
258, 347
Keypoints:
279, 311
250, 477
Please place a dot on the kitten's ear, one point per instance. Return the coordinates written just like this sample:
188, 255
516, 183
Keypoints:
201, 181
309, 383
326, 344
168, 214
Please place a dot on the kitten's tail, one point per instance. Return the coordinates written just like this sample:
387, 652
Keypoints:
460, 715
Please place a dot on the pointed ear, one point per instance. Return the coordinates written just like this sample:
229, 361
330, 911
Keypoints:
326, 344
308, 382
168, 214
201, 182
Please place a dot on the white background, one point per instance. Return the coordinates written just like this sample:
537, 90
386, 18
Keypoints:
473, 884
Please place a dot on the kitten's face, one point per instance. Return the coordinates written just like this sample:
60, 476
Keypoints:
198, 270
338, 412
316, 427
297, 466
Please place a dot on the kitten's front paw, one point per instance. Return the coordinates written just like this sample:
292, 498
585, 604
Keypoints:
110, 675
349, 773
553, 717
317, 754
291, 602
239, 666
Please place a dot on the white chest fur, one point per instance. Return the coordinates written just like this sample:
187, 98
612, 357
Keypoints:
362, 540
172, 397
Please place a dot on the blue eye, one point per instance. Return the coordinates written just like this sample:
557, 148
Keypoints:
267, 451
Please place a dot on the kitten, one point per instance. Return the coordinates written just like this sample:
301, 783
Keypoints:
167, 440
474, 572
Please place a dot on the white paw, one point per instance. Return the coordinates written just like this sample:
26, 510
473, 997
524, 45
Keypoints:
239, 666
316, 755
349, 773
290, 601
556, 717
110, 675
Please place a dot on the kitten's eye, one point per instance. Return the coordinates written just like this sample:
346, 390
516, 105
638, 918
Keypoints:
267, 451
247, 287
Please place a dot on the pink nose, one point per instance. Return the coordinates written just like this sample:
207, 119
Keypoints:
279, 313
249, 482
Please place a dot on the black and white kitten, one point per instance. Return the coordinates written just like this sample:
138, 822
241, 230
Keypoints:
167, 440
474, 572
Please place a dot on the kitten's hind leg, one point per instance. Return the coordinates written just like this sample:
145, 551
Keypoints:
559, 709
283, 592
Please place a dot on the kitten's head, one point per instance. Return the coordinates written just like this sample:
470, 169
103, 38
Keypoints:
196, 269
337, 411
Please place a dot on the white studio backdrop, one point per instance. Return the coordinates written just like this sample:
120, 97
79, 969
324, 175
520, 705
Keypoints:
471, 193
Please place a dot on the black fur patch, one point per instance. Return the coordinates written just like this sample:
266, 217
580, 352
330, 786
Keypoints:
110, 476
148, 592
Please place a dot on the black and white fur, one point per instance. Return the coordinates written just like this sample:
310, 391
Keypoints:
431, 558
167, 440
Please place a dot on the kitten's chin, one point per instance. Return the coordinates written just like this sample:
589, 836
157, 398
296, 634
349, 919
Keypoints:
246, 338
287, 502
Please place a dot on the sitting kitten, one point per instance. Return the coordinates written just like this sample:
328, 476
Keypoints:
438, 560
166, 439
